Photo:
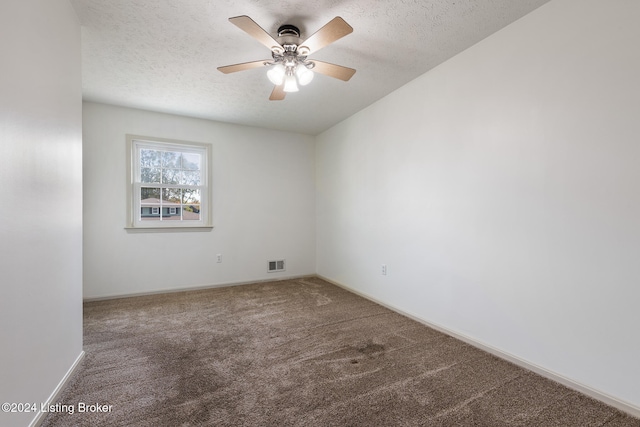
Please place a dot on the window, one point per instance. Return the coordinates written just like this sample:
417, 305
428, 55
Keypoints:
169, 183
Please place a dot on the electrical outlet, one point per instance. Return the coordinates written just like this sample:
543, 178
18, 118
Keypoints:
219, 258
383, 270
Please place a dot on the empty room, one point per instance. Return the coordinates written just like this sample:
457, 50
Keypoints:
341, 213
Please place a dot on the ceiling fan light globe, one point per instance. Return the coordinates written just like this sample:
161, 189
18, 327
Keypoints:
276, 74
290, 84
304, 75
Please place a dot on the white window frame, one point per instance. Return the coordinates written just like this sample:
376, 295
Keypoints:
134, 145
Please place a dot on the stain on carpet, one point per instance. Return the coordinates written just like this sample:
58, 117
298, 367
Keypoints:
370, 349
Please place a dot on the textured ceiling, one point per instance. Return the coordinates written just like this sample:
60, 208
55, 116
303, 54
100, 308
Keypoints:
162, 55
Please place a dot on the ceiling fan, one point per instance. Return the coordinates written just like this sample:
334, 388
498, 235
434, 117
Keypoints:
290, 64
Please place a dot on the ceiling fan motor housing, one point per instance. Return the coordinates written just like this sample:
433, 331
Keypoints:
289, 37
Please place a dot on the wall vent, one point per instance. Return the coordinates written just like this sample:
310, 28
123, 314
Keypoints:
277, 265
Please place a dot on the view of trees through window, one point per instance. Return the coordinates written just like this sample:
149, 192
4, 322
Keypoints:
170, 185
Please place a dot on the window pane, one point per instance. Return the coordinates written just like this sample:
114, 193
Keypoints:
191, 177
191, 161
171, 213
171, 197
150, 175
171, 176
149, 158
190, 196
150, 204
191, 213
150, 196
171, 159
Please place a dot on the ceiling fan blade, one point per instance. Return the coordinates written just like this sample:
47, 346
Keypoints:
278, 93
250, 27
333, 70
241, 67
332, 31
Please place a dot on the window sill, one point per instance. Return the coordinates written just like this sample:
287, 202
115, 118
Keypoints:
168, 229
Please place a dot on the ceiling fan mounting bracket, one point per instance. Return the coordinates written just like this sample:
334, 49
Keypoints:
288, 30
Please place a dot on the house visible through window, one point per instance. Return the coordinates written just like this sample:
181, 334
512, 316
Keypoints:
169, 183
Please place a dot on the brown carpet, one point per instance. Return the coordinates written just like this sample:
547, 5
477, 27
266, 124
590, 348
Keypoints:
299, 353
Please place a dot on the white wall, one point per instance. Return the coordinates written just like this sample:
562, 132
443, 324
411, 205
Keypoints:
41, 194
263, 206
502, 189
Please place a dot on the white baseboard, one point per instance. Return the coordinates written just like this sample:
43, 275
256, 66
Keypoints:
40, 416
574, 385
196, 288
